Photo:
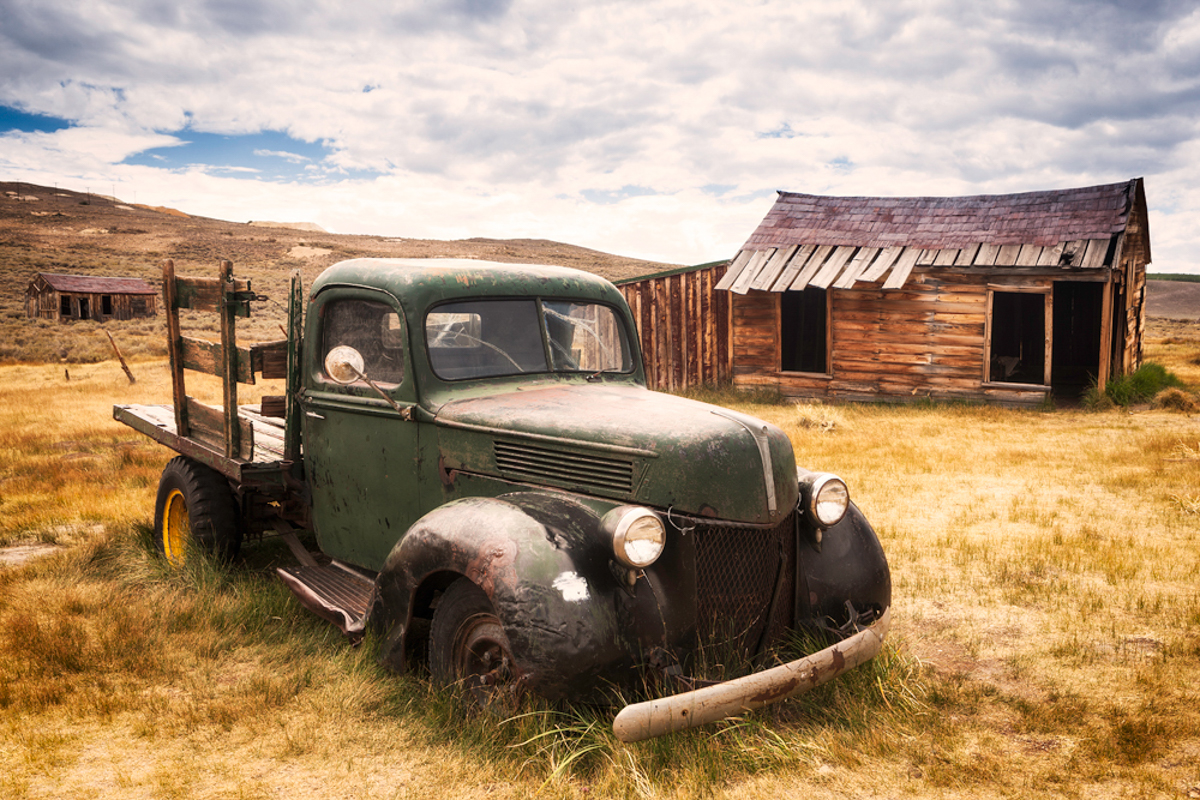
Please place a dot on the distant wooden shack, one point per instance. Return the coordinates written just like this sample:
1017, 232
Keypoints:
72, 297
1008, 298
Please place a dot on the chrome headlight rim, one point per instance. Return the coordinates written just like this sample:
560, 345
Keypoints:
620, 521
813, 485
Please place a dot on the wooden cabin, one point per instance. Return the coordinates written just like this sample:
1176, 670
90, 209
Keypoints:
1007, 298
72, 297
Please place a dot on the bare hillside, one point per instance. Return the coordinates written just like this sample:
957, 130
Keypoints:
57, 230
1173, 300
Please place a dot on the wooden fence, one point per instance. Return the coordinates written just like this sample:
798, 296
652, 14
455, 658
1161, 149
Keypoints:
684, 327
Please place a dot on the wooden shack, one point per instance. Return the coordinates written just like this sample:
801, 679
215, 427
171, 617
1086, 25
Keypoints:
683, 326
1008, 298
72, 297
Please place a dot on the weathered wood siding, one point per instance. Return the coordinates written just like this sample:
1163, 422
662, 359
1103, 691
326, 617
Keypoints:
683, 327
1133, 258
927, 340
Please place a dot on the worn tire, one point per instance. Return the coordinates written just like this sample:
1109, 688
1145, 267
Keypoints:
468, 647
195, 509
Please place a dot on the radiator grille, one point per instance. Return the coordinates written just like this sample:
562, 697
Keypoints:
737, 571
594, 472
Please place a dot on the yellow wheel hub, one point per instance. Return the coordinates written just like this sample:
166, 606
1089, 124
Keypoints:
176, 528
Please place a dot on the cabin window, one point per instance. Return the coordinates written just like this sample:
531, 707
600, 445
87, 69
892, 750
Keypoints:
804, 331
1017, 337
64, 305
106, 305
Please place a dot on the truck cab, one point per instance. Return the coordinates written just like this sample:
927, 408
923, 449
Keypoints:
493, 487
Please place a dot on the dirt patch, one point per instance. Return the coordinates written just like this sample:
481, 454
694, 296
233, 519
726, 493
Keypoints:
19, 554
295, 226
304, 251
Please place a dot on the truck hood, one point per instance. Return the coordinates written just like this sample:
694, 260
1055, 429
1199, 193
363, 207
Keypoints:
626, 443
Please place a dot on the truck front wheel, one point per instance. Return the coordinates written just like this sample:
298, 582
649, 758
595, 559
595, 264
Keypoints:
195, 508
468, 646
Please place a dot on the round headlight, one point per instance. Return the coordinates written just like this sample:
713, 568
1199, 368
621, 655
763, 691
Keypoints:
638, 535
826, 498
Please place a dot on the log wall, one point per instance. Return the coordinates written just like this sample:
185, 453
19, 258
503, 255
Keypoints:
683, 326
924, 341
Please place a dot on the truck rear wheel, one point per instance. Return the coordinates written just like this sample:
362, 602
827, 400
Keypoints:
468, 646
195, 509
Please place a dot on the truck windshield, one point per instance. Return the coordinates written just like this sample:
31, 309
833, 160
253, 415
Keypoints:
487, 338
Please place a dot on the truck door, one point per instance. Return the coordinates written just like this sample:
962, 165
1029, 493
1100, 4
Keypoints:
360, 453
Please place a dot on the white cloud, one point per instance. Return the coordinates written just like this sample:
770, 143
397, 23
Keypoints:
293, 158
499, 118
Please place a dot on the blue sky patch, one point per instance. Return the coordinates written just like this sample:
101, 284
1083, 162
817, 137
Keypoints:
784, 131
12, 119
269, 155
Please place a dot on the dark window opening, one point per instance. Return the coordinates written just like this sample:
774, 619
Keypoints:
1078, 312
83, 308
803, 331
64, 305
1018, 337
106, 305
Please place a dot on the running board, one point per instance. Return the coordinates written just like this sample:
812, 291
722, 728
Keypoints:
334, 592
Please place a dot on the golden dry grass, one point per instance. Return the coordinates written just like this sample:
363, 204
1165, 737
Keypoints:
1046, 636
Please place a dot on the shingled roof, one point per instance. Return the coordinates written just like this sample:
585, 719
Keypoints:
809, 240
86, 284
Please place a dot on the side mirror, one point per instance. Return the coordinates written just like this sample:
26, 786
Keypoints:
344, 364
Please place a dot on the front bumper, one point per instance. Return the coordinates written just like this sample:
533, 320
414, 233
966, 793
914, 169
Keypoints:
712, 703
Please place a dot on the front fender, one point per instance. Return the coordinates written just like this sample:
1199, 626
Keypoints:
543, 563
849, 566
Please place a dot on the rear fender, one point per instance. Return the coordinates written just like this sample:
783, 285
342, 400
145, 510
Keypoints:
542, 561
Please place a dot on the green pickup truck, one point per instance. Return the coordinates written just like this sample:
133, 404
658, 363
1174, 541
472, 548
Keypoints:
493, 488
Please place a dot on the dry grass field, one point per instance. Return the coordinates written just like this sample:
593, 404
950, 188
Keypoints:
1046, 634
1046, 638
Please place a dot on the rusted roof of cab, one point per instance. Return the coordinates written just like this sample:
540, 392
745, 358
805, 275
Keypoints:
421, 282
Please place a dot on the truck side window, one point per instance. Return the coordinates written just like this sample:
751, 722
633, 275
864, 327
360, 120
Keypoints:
374, 330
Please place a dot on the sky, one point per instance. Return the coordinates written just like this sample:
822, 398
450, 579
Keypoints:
650, 128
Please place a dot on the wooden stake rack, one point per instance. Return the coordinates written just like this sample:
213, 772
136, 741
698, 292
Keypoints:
220, 428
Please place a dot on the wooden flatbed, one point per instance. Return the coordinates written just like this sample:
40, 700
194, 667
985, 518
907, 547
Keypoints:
262, 442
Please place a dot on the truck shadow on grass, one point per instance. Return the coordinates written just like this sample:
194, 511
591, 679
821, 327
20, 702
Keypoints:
861, 714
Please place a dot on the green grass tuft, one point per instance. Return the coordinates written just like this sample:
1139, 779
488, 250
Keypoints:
1138, 387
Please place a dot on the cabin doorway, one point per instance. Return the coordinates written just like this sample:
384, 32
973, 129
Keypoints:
1078, 324
1018, 337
